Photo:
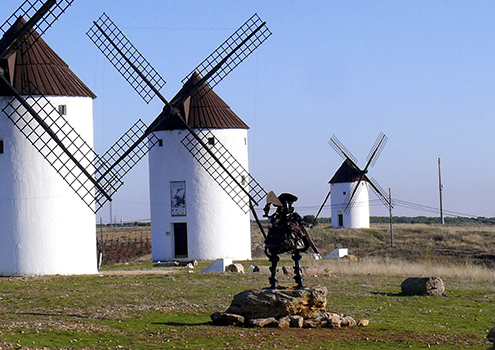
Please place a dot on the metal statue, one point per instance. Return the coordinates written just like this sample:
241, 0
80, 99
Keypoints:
286, 234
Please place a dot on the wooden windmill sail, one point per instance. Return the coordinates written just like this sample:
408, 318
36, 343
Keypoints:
48, 140
202, 225
139, 73
38, 95
198, 136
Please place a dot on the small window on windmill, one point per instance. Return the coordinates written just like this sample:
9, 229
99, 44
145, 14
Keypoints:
160, 142
344, 193
243, 180
1, 146
211, 141
62, 109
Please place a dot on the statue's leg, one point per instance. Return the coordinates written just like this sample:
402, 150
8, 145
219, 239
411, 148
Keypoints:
297, 269
274, 259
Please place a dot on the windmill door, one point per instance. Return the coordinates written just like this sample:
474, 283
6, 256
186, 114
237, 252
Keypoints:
180, 239
341, 220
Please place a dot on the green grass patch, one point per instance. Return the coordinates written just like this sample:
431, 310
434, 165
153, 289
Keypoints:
167, 308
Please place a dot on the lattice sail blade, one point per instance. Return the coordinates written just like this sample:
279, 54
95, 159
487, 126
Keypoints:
125, 58
227, 171
341, 150
377, 149
231, 53
129, 149
42, 14
64, 149
353, 195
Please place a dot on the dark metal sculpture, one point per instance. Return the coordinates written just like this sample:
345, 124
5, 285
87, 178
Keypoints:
287, 234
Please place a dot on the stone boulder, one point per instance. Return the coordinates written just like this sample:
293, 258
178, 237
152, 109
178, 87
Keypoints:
296, 321
423, 286
262, 322
284, 322
235, 268
265, 303
226, 319
350, 258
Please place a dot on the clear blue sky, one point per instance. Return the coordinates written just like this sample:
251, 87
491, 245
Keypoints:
423, 72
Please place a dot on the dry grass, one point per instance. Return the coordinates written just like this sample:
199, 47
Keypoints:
133, 232
389, 267
461, 253
457, 252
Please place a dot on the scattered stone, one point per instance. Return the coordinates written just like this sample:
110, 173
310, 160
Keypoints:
334, 320
284, 322
262, 322
423, 286
226, 319
350, 258
296, 321
166, 264
181, 262
363, 323
262, 303
235, 268
317, 322
348, 321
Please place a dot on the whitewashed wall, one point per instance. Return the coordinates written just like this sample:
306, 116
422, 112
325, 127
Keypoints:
45, 227
217, 227
359, 215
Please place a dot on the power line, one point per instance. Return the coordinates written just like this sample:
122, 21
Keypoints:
398, 203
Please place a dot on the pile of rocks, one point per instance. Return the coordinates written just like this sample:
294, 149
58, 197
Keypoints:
283, 308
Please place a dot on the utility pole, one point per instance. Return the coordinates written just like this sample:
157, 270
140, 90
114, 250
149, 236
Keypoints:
390, 213
440, 188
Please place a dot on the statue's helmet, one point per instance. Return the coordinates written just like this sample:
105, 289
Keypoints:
287, 198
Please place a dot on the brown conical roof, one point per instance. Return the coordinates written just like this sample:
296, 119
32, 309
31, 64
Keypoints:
347, 172
36, 62
202, 110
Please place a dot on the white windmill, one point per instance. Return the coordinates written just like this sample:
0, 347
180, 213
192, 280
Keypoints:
51, 180
192, 217
45, 227
349, 187
201, 191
